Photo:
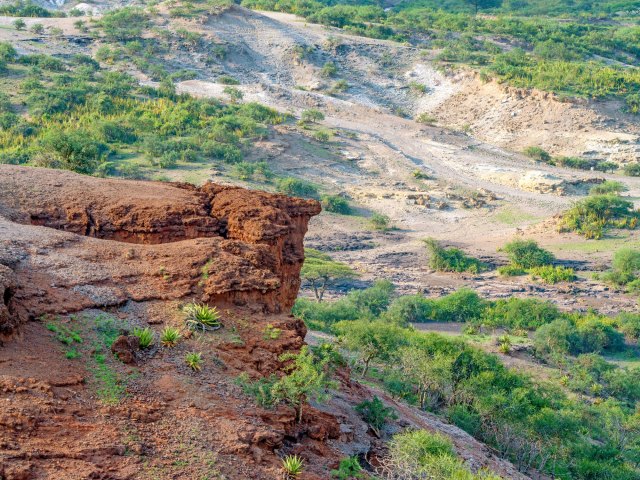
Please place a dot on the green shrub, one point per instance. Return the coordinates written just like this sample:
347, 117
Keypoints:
348, 469
145, 336
629, 324
336, 204
426, 118
313, 115
632, 169
328, 70
463, 305
201, 317
608, 187
511, 271
227, 80
296, 187
537, 153
378, 221
520, 313
260, 390
593, 215
410, 309
451, 259
376, 414
527, 254
553, 274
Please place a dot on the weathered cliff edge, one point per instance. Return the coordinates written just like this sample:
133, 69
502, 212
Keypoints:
109, 241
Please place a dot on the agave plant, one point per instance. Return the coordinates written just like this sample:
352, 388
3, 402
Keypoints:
170, 337
292, 466
201, 317
145, 336
194, 361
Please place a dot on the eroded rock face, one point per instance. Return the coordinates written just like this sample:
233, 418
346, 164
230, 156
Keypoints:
108, 241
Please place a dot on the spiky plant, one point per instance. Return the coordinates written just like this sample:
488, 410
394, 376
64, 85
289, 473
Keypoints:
292, 466
145, 336
194, 361
170, 337
201, 317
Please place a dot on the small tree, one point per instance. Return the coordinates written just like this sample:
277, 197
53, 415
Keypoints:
312, 115
307, 378
322, 271
370, 340
19, 24
430, 374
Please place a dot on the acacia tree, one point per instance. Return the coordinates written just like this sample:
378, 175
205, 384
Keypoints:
370, 340
321, 271
307, 378
431, 374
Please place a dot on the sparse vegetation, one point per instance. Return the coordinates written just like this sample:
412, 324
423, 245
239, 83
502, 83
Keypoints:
609, 187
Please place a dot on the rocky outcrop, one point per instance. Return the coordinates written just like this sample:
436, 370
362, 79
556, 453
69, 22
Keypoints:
71, 242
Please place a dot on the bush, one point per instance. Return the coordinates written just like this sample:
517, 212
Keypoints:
527, 254
520, 313
451, 259
336, 204
313, 115
328, 70
376, 414
553, 274
227, 80
538, 154
511, 271
348, 469
463, 305
591, 216
378, 221
632, 169
296, 187
74, 150
410, 309
19, 24
608, 187
322, 136
629, 324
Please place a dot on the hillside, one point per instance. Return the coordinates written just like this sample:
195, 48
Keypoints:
387, 241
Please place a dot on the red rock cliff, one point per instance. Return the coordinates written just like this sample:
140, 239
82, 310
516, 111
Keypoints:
69, 242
